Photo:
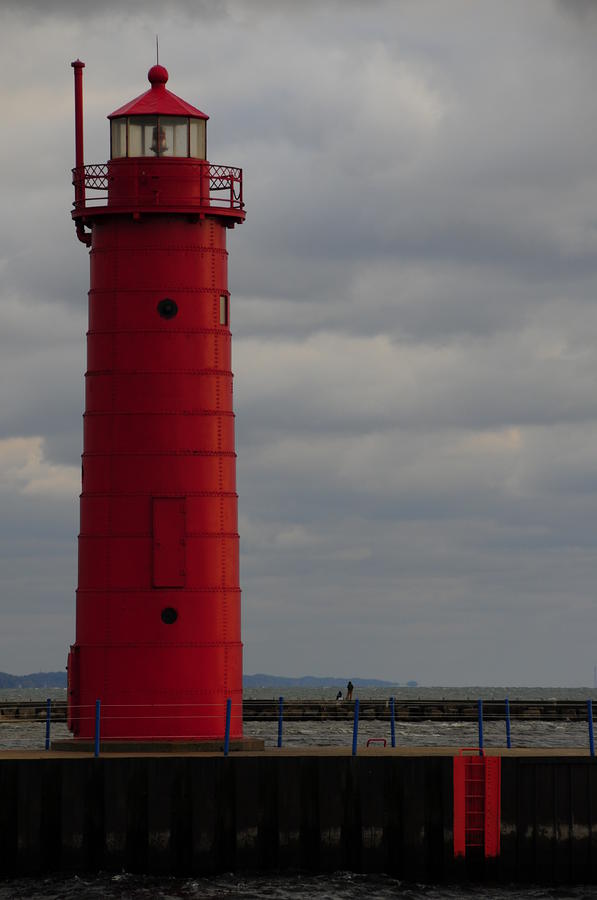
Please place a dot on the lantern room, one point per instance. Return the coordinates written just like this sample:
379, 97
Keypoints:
158, 124
158, 162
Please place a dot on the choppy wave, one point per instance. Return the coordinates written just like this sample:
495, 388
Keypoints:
525, 733
340, 886
31, 735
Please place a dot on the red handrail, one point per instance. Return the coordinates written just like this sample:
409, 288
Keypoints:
96, 177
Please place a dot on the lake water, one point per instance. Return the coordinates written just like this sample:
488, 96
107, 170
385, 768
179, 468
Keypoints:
340, 886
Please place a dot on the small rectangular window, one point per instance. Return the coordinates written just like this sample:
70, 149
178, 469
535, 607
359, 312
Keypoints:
118, 138
198, 149
223, 309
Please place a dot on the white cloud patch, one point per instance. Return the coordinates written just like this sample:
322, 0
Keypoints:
23, 466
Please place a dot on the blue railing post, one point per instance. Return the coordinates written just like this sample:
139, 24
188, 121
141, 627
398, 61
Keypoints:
280, 719
590, 718
96, 748
392, 722
508, 736
227, 734
480, 716
48, 720
355, 727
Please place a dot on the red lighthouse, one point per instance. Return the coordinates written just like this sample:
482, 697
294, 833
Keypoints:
158, 601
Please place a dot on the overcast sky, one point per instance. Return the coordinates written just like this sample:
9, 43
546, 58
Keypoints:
414, 310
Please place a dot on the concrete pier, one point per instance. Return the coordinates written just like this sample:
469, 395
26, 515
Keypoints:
317, 811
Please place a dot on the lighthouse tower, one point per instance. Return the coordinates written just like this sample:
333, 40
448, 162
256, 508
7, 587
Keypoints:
158, 601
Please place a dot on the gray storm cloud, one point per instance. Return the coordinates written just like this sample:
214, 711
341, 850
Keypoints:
582, 9
413, 308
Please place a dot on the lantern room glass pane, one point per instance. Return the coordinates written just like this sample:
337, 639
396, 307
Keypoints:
118, 130
176, 135
198, 148
144, 137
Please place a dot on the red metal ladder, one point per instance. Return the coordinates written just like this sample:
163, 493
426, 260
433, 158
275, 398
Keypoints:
477, 782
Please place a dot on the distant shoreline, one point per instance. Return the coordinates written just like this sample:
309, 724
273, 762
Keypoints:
260, 680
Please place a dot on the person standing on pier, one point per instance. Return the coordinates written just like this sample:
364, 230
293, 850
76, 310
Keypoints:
349, 690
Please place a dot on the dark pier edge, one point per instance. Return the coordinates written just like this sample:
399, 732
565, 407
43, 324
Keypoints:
205, 815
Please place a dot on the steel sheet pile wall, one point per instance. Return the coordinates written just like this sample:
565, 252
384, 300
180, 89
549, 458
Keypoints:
549, 820
208, 815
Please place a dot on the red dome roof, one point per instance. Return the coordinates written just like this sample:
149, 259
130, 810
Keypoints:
158, 100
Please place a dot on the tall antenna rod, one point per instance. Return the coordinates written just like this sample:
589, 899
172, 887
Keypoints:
157, 50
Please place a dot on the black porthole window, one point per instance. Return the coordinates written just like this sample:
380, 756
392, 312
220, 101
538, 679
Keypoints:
169, 616
167, 308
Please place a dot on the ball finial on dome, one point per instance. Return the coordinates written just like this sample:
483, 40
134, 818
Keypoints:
157, 75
